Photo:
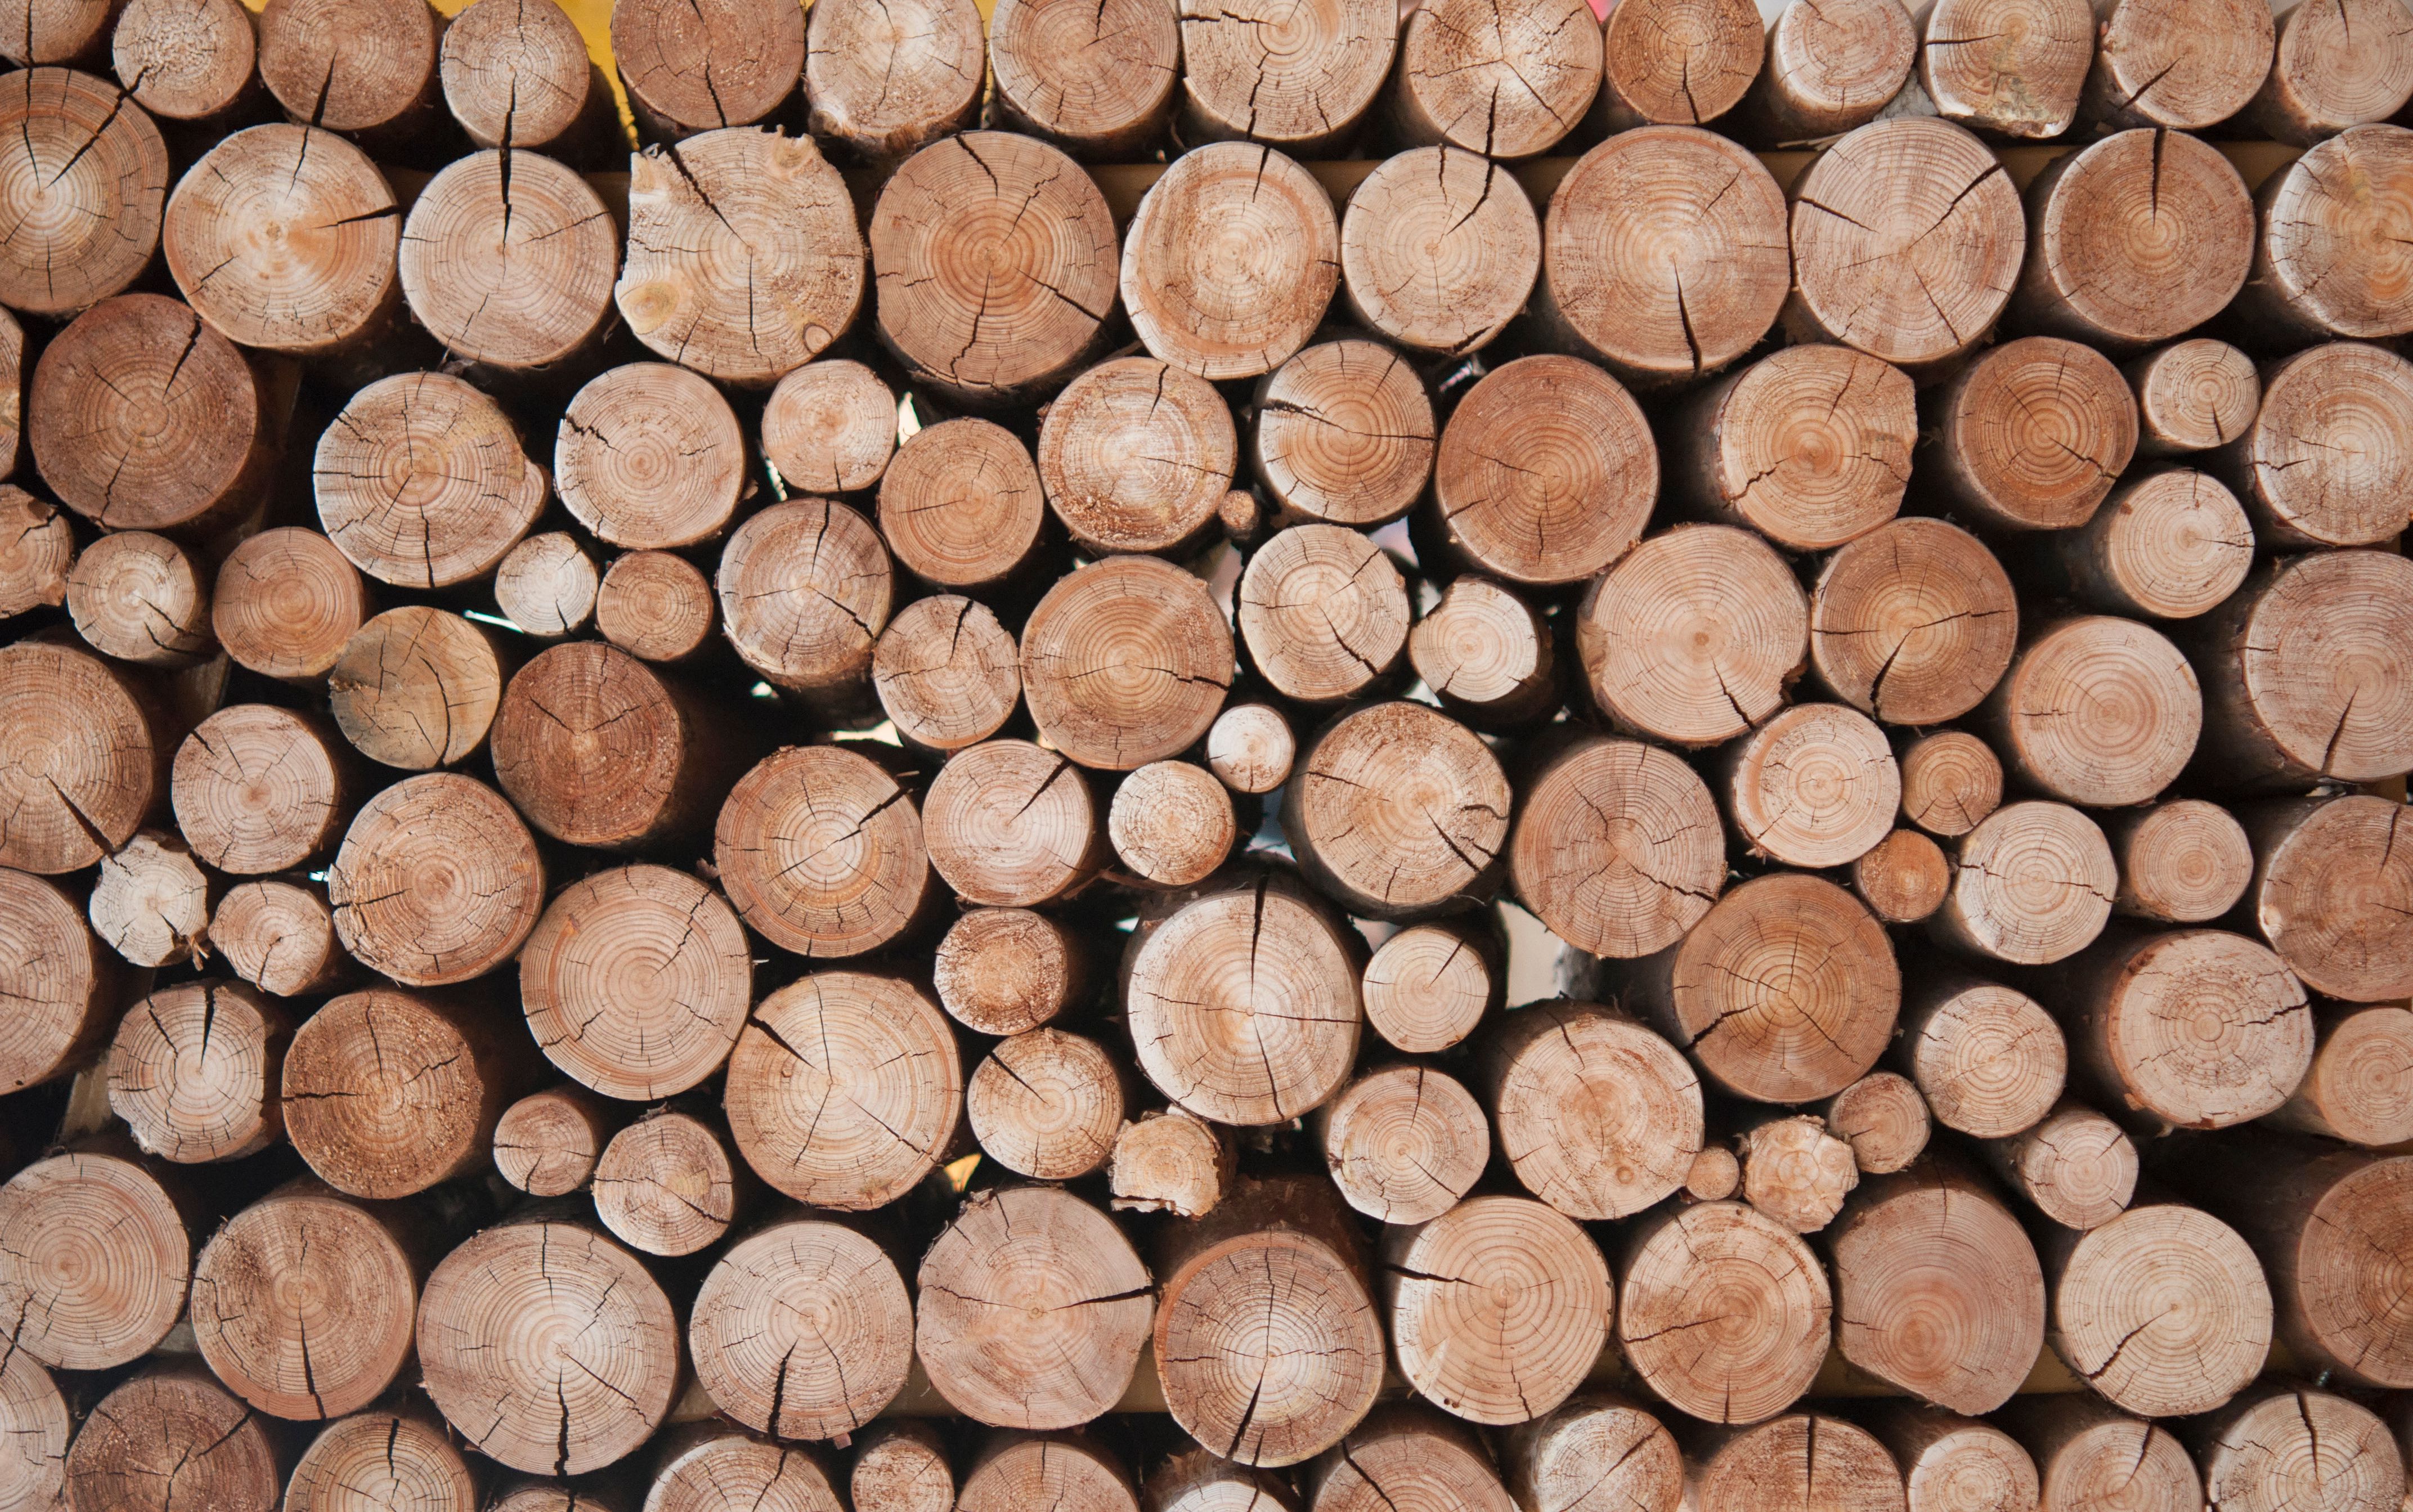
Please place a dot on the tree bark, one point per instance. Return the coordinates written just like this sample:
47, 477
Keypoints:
2161, 1310
1725, 1314
1398, 811
690, 68
821, 853
152, 901
2333, 67
2193, 396
1950, 781
2300, 673
884, 85
1797, 1460
830, 426
1597, 1450
1506, 80
1990, 1061
1098, 83
1194, 303
1303, 92
2170, 545
1884, 1118
2033, 433
96, 1253
547, 583
139, 598
383, 1462
1324, 613
1407, 1451
2011, 66
1432, 256
87, 743
194, 1071
1007, 971
1903, 877
1125, 663
2360, 1086
1810, 446
1915, 622
1617, 847
962, 506
803, 1331
1951, 1464
2183, 862
1665, 62
388, 1093
2184, 67
901, 1466
565, 109
171, 1430
1046, 1105
1010, 824
2327, 890
1487, 654
1796, 1173
2096, 710
1071, 1472
1694, 636
2077, 1166
1814, 786
2136, 239
438, 882
1171, 823
1344, 433
421, 482
2315, 276
511, 268
285, 604
1546, 473
547, 1143
281, 937
650, 458
1171, 1161
1828, 68
2270, 1446
2090, 1454
71, 144
1599, 1117
597, 750
1404, 1143
2326, 459
363, 68
1427, 986
2032, 884
260, 788
805, 588
667, 1185
1456, 1287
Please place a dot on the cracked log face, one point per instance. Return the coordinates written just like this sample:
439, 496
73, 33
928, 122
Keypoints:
2172, 545
2193, 396
1172, 823
2032, 884
1487, 654
517, 74
283, 237
1664, 254
1907, 238
830, 427
1008, 971
2096, 710
383, 1462
62, 31
1498, 1307
711, 1467
303, 1303
1171, 1161
1427, 986
885, 80
1231, 260
666, 1185
547, 1143
1915, 622
1404, 1143
365, 67
2329, 458
1243, 1005
1097, 79
1408, 1457
1399, 810
142, 599
1596, 1450
1344, 433
387, 1092
548, 1347
1010, 824
1438, 249
84, 757
597, 750
845, 1089
279, 937
2180, 64
1725, 1313
1547, 472
2305, 672
1324, 613
1617, 847
1989, 1060
188, 60
1251, 749
1951, 1464
1045, 1105
1298, 79
508, 259
691, 67
1197, 1481
57, 982
1810, 446
745, 261
2163, 1309
1126, 662
962, 506
1676, 62
2361, 1087
2331, 897
2034, 433
1135, 456
805, 588
821, 853
2334, 68
1950, 780
1884, 1118
2288, 1449
1599, 1117
286, 603
2332, 260
2012, 67
1801, 1461
2134, 240
900, 1465
2078, 1168
1032, 1311
415, 688
994, 260
1507, 79
1903, 877
1694, 636
1814, 786
2088, 1454
172, 1433
1025, 1470
257, 788
94, 1258
438, 882
421, 482
194, 1071
655, 606
34, 1416
39, 546
2332, 1227
84, 183
152, 901
2184, 862
649, 457
1832, 65
546, 585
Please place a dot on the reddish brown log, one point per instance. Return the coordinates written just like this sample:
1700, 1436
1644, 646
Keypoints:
88, 747
803, 1329
1676, 61
1323, 612
1724, 1314
2170, 545
1439, 251
1046, 1105
388, 1093
519, 76
705, 1466
1487, 654
1008, 970
962, 507
1302, 90
1596, 1444
1884, 1118
1547, 472
1617, 847
38, 552
194, 1071
139, 598
421, 482
365, 67
417, 688
821, 853
1125, 663
61, 986
596, 749
1990, 1061
1914, 623
286, 603
2188, 66
1233, 256
830, 426
2161, 1310
379, 1459
689, 68
259, 788
2137, 238
2088, 1453
2328, 456
1506, 80
1073, 1471
187, 60
1797, 1460
547, 1143
2361, 1087
666, 1184
2032, 884
86, 185
2186, 862
1830, 67
279, 937
2096, 710
1398, 811
1010, 824
2276, 1445
1407, 1454
649, 459
2193, 396
805, 588
1952, 1463
2328, 262
171, 1430
1903, 877
1344, 433
1599, 1117
1810, 446
2034, 433
95, 1258
1950, 781
2335, 67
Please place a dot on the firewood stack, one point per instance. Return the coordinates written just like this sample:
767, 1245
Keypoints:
1125, 754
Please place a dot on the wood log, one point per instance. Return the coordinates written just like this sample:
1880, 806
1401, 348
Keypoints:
188, 60
1950, 1463
140, 598
511, 267
1010, 824
194, 1071
87, 186
1596, 1444
283, 238
2193, 396
528, 1312
1099, 83
493, 54
1724, 1314
1903, 877
1815, 785
1246, 1048
1344, 433
690, 68
1785, 992
666, 1184
1031, 1310
1796, 1173
2090, 1454
1398, 810
1224, 274
1122, 469
96, 1257
1251, 748
1546, 473
656, 607
2358, 1088
421, 482
2163, 1309
1950, 780
88, 751
805, 588
1171, 823
363, 68
1461, 63
1810, 446
2011, 66
1432, 256
821, 853
40, 551
152, 901
62, 987
403, 1462
388, 1093
2139, 237
1073, 1471
1487, 654
285, 603
438, 882
1198, 1481
2186, 68
1828, 70
1008, 970
170, 1430
417, 688
1427, 986
2033, 433
1403, 1142
2325, 461
2324, 890
279, 937
1664, 254
2032, 884
830, 426
2096, 710
845, 1088
962, 505
260, 788
1989, 1060
56, 34
1868, 270
1302, 92
745, 260
1407, 1454
1171, 1161
1125, 663
2184, 862
882, 85
35, 1413
1799, 1459
597, 750
947, 673
142, 418
2333, 67
991, 232
2170, 545
649, 457
1884, 1118
1915, 622
1716, 1175
2077, 1166
900, 1465
1497, 1308
2300, 673
1599, 1117
1617, 847
547, 1143
1669, 61
706, 1464
1694, 636
2318, 272
552, 1496
2276, 1445
1046, 1105
803, 1331
547, 583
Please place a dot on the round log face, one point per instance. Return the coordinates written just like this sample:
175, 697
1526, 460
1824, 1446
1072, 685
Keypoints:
511, 266
1903, 877
2336, 68
593, 747
54, 978
1251, 748
2204, 1029
415, 688
1950, 781
86, 764
140, 598
1410, 1457
1045, 1470
1232, 259
1010, 824
961, 504
1618, 848
2034, 433
303, 1304
2141, 237
2169, 546
1882, 1117
546, 585
185, 60
1427, 988
947, 674
193, 1072
547, 1143
1724, 1312
2032, 884
1344, 433
87, 184
1599, 1117
1005, 970
350, 64
665, 1185
2195, 394
1399, 810
422, 483
1988, 1060
1438, 249
384, 1096
1096, 79
1804, 1461
2329, 459
1814, 786
516, 74
2361, 1087
438, 882
721, 1467
1045, 1105
693, 67
2077, 1166
173, 1424
1831, 67
805, 591
1546, 449
1137, 455
2330, 262
2173, 63
1297, 87
34, 1471
2293, 1445
1504, 80
649, 457
1811, 445
2346, 1301
883, 83
2163, 1309
40, 549
1671, 61
286, 603
1915, 622
1694, 636
94, 1258
256, 789
152, 901
821, 852
378, 1460
1486, 653
902, 1466
1516, 1342
2099, 711
278, 937
2014, 67
1125, 663
1172, 823
1404, 1144
1938, 1291
830, 427
2321, 668
1596, 1444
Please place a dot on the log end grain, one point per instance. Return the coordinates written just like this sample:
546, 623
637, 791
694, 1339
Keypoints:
1171, 1161
649, 457
2032, 883
1515, 1343
547, 1143
1617, 847
1344, 433
1404, 1144
193, 1072
287, 602
1008, 971
1903, 877
1547, 472
1428, 986
1399, 811
1950, 781
830, 427
1045, 1105
2193, 396
1171, 823
384, 1125
1126, 662
1695, 635
1724, 1314
438, 880
142, 599
823, 853
803, 1331
1323, 612
1251, 748
2163, 1309
1884, 1118
1233, 254
2078, 1168
947, 673
95, 1258
546, 585
666, 1185
1796, 1173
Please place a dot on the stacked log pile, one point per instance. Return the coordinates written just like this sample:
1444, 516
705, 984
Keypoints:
1349, 757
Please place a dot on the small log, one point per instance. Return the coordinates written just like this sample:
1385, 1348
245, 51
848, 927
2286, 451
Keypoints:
1299, 1006
2324, 462
1868, 270
745, 259
526, 1313
2011, 66
884, 85
1796, 1173
70, 144
1195, 299
279, 937
1786, 992
1432, 256
666, 1184
1404, 1143
1725, 1314
1171, 823
1172, 1162
706, 1465
547, 585
87, 756
900, 1465
374, 1461
1716, 1175
1250, 747
1506, 80
2088, 1453
417, 688
1010, 824
1950, 781
1487, 654
60, 985
1046, 1105
1810, 446
1008, 970
2170, 545
194, 1071
1617, 847
1303, 92
821, 853
1828, 68
171, 1430
1344, 433
2161, 1310
1033, 1324
519, 76
1990, 1061
845, 1088
2316, 274
33, 1412
1123, 471
142, 599
1950, 1463
649, 459
2261, 1451
597, 750
2077, 1166
947, 673
95, 1256
547, 1143
2096, 710
283, 238
2135, 239
2185, 862
2033, 433
1599, 1117
2178, 66
2360, 1086
2333, 67
1595, 1445
438, 882
188, 60
803, 1331
1427, 986
2032, 884
1903, 877
2193, 396
1125, 663
143, 418
259, 788
152, 901
961, 503
1797, 1460
388, 1093
1884, 1118
421, 482
363, 68
1098, 83
991, 232
1547, 472
39, 553
1695, 635
285, 603
1398, 811
1074, 1473
1676, 62
1408, 1450
1454, 1288
1814, 786
830, 427
805, 588
1664, 254
511, 267
690, 68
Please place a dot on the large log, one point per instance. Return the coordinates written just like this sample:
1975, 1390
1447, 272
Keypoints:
1695, 635
510, 261
2032, 884
388, 1093
285, 603
1073, 1471
2088, 1453
1596, 1444
170, 1430
188, 60
1667, 61
881, 84
96, 1257
88, 747
1046, 1105
1438, 250
1135, 456
1398, 811
194, 1071
803, 1329
1125, 663
2334, 68
1507, 80
438, 882
2096, 710
417, 688
1724, 1314
1797, 1460
2163, 1309
2322, 266
403, 1461
422, 483
1598, 1115
2326, 460
1617, 846
805, 588
257, 788
2169, 545
2033, 433
1914, 622
60, 985
1407, 1456
1498, 1307
140, 598
1403, 1144
2163, 63
2276, 1445
963, 507
1829, 68
1814, 785
1011, 824
1302, 88
1547, 472
1097, 82
2136, 239
1487, 654
519, 76
1810, 445
363, 68
691, 68
87, 183
598, 749
1232, 257
821, 853
649, 457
